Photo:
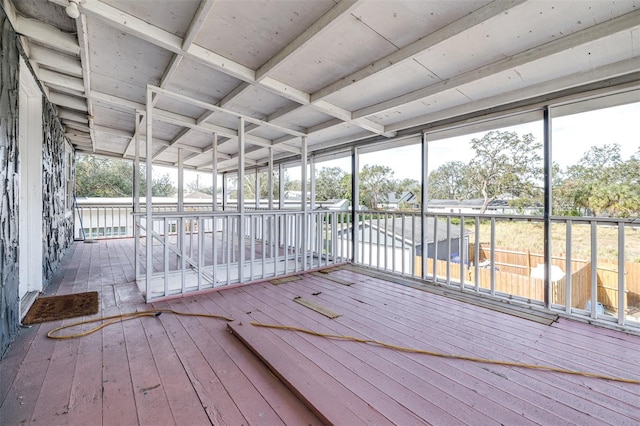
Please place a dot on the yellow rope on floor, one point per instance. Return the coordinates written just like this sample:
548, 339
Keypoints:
442, 355
122, 317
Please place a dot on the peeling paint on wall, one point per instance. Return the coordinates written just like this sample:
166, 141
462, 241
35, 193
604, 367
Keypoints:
57, 216
57, 224
9, 182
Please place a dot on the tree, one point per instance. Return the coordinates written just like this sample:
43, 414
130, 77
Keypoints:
602, 183
106, 177
103, 177
505, 164
375, 183
160, 186
450, 181
329, 184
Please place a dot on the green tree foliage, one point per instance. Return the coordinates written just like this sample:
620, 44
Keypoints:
106, 177
506, 163
330, 184
600, 183
450, 181
375, 183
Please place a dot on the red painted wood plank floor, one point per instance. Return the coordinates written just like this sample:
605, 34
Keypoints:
190, 370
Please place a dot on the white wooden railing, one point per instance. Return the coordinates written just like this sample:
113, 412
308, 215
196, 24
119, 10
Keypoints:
194, 251
604, 288
201, 249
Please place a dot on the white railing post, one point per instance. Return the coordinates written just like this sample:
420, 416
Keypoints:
621, 275
355, 197
568, 267
423, 205
594, 269
305, 222
270, 178
240, 192
149, 179
548, 167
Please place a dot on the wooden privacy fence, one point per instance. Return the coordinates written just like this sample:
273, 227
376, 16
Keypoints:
512, 276
519, 261
515, 284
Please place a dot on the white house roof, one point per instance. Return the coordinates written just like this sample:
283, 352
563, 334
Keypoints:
336, 72
409, 228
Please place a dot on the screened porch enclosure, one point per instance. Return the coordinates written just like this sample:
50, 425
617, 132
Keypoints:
227, 243
456, 176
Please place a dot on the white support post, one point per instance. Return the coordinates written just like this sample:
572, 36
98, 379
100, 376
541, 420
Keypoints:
136, 165
181, 220
149, 215
257, 185
315, 235
548, 167
180, 179
424, 207
281, 186
270, 178
240, 192
303, 200
214, 172
355, 197
312, 181
136, 196
225, 192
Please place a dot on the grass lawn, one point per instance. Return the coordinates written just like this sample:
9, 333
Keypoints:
521, 236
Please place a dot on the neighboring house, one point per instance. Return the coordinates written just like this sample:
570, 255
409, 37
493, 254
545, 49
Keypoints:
473, 206
197, 195
407, 199
396, 243
333, 205
295, 195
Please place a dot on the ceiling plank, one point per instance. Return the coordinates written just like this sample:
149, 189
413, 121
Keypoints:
183, 121
54, 60
468, 21
228, 98
139, 28
47, 35
198, 21
235, 93
201, 14
620, 68
105, 98
81, 26
173, 142
62, 80
67, 101
132, 25
212, 107
65, 114
171, 70
208, 128
75, 126
613, 26
326, 21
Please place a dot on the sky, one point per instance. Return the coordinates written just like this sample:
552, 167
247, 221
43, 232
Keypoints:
572, 136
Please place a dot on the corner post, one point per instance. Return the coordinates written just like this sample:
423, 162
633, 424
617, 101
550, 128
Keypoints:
547, 205
355, 202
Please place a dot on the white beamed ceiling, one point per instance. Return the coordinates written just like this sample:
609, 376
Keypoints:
337, 71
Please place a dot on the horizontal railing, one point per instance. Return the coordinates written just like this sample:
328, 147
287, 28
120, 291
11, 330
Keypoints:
114, 220
587, 285
194, 251
102, 221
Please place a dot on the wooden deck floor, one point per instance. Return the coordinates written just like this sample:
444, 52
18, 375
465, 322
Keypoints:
191, 370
